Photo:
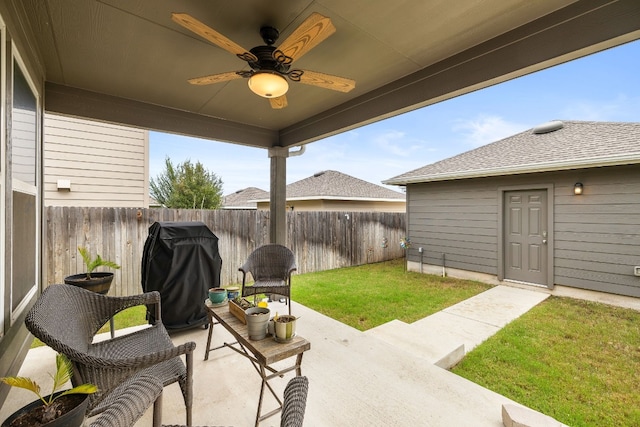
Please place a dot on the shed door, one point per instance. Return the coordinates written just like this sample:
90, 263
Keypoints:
526, 236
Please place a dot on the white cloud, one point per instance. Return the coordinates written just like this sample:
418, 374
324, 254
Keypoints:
620, 108
485, 129
399, 143
391, 141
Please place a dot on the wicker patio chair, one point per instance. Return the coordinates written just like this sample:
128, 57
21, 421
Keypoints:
67, 317
138, 395
270, 266
294, 402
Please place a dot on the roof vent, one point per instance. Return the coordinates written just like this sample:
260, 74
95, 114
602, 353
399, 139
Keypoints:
317, 174
548, 127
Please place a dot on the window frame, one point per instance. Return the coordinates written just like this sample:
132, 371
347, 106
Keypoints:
3, 167
25, 188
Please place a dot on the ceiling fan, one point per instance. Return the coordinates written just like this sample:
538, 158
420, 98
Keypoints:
270, 65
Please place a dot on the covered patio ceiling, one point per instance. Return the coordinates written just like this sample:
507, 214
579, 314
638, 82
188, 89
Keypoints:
127, 61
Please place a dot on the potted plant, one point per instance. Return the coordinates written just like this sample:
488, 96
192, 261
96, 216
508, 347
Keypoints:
256, 320
99, 282
284, 327
65, 408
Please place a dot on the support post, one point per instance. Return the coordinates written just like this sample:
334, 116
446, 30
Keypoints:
278, 195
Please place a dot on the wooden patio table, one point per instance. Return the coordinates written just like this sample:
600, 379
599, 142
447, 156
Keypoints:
262, 353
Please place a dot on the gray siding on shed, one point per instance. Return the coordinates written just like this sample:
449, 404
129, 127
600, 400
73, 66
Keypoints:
595, 237
457, 219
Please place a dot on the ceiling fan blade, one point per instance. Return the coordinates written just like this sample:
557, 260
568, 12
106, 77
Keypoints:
208, 33
327, 81
215, 78
279, 102
315, 29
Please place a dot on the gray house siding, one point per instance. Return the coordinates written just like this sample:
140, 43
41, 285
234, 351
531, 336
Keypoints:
597, 235
594, 238
458, 221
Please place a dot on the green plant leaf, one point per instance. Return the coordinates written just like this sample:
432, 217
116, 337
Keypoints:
81, 389
95, 263
63, 373
85, 255
64, 370
22, 382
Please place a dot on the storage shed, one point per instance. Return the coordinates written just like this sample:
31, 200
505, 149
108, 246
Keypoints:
558, 204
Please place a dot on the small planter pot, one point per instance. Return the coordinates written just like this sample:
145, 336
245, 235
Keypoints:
285, 327
217, 295
257, 319
72, 418
233, 292
100, 282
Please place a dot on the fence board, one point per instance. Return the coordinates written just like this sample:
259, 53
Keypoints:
319, 240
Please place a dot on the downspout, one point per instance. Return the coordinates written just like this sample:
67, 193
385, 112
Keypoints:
444, 271
299, 152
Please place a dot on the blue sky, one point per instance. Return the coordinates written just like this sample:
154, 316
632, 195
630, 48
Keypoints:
601, 87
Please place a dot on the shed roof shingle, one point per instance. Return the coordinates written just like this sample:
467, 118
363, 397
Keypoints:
577, 144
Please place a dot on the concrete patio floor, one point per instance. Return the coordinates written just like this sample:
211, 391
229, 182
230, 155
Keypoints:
355, 378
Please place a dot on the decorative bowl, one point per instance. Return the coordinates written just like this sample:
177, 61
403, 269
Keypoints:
217, 295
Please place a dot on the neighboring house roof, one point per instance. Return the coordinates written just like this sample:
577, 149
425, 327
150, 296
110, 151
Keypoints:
244, 199
549, 147
335, 185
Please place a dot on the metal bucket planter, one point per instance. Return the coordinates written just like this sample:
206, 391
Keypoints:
257, 319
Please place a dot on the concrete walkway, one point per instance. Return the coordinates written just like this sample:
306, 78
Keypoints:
383, 377
445, 337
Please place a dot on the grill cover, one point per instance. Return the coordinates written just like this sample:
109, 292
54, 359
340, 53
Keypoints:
181, 261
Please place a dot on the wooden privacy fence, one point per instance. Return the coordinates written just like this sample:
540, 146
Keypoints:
319, 240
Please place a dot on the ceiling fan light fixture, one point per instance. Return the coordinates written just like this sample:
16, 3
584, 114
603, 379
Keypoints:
268, 84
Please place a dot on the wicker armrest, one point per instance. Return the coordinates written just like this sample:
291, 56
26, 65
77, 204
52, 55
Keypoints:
129, 402
294, 402
118, 304
146, 298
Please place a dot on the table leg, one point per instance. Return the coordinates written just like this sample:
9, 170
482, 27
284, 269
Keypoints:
157, 412
299, 365
112, 327
206, 352
264, 382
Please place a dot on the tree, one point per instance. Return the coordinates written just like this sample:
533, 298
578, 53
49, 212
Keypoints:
187, 186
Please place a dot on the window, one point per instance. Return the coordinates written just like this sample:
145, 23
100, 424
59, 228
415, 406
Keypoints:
24, 144
24, 130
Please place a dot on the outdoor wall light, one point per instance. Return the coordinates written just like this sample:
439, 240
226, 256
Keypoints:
268, 84
577, 188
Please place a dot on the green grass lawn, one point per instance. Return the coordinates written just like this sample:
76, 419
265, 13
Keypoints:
574, 360
370, 295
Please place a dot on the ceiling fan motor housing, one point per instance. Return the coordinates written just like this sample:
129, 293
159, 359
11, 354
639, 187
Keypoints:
266, 60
